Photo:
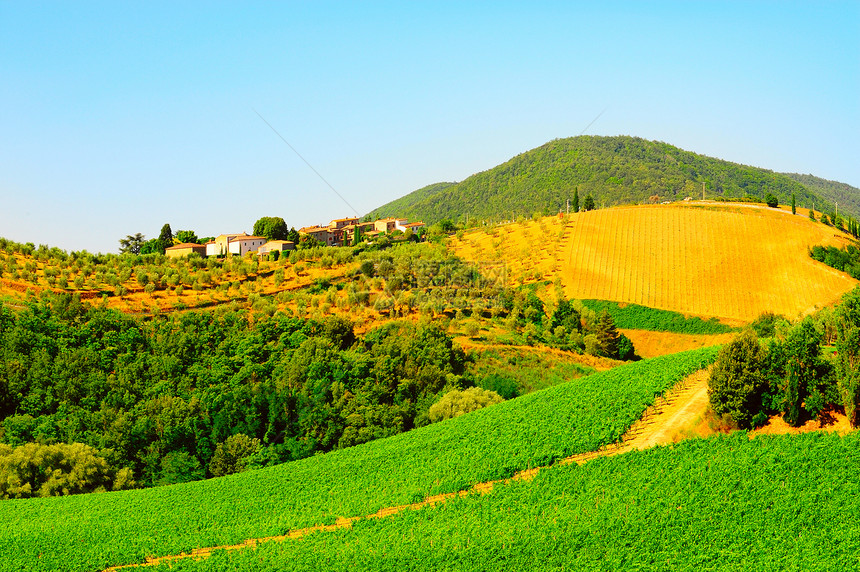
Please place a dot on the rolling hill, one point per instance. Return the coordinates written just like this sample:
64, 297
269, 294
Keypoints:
479, 500
91, 532
614, 170
729, 261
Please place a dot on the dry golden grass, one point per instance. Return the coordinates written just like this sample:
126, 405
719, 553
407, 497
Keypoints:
730, 261
530, 249
649, 343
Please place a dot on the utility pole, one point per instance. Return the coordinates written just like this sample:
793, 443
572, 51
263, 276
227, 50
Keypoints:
568, 206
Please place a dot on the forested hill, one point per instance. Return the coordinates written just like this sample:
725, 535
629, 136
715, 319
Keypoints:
847, 196
406, 202
614, 170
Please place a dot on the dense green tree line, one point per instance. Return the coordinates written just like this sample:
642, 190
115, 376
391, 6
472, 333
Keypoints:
568, 325
845, 259
787, 373
611, 170
167, 399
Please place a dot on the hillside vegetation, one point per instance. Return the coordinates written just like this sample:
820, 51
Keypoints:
614, 170
704, 259
726, 503
833, 192
89, 532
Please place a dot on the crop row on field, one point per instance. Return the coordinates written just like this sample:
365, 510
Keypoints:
90, 532
725, 503
727, 263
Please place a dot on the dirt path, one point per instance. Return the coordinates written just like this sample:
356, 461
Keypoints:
662, 423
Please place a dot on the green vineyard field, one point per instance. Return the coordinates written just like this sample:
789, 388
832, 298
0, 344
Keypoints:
91, 532
725, 503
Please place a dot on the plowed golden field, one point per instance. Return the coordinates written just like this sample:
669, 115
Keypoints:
727, 261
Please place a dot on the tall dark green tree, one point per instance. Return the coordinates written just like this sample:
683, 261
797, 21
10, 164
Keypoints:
588, 204
803, 368
272, 227
848, 354
576, 200
607, 335
738, 379
793, 205
165, 238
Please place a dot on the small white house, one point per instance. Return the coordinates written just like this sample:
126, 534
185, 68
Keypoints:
242, 245
402, 225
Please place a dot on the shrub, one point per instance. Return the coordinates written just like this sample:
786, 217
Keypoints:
35, 470
456, 403
504, 386
233, 454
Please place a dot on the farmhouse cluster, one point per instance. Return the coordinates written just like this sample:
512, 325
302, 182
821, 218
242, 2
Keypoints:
338, 232
343, 230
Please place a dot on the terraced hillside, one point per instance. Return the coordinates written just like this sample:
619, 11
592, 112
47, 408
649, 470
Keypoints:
707, 259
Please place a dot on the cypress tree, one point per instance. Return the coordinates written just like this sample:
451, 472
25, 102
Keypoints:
576, 200
803, 352
793, 205
607, 335
588, 204
165, 239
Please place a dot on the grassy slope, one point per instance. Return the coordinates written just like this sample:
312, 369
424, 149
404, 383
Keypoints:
89, 532
725, 503
633, 316
615, 170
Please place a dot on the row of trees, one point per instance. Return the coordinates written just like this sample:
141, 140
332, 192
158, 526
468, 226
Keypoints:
844, 259
137, 243
787, 374
273, 228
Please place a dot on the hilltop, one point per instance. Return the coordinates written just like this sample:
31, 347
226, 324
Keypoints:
615, 171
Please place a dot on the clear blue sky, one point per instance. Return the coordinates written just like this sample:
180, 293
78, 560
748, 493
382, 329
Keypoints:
117, 117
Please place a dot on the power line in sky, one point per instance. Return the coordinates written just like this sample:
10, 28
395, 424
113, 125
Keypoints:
587, 126
308, 164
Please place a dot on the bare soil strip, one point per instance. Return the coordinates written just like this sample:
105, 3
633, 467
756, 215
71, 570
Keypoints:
660, 424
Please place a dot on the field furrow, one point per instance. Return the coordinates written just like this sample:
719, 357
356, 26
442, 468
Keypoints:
727, 261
